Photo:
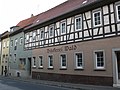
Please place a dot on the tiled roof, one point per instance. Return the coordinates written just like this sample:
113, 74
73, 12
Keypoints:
27, 22
59, 10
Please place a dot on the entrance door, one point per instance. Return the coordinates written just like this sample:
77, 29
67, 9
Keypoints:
118, 63
29, 65
2, 71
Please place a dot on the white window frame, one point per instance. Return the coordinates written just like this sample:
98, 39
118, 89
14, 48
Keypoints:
11, 43
95, 59
51, 28
76, 60
61, 62
34, 36
49, 62
76, 18
118, 19
4, 44
41, 62
61, 27
42, 36
34, 62
7, 44
27, 38
21, 40
98, 11
16, 41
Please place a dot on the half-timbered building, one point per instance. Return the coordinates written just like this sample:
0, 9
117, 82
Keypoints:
77, 41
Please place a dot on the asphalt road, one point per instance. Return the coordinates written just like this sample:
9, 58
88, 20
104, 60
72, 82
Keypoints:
8, 84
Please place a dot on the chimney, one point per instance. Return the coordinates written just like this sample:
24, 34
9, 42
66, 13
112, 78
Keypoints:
32, 15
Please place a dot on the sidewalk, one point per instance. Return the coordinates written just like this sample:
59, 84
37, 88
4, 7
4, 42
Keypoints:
66, 85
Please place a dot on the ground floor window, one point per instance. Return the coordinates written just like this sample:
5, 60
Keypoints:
34, 62
99, 60
63, 61
50, 61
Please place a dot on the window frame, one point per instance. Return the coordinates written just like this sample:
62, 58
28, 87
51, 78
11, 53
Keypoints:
41, 63
76, 61
49, 62
21, 40
34, 62
117, 15
78, 17
61, 62
96, 61
94, 12
51, 26
61, 27
42, 36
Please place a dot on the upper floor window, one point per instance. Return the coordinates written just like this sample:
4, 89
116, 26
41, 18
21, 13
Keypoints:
97, 21
79, 60
34, 36
51, 31
4, 44
50, 60
63, 27
16, 42
27, 37
7, 44
118, 12
21, 41
99, 60
42, 34
78, 23
63, 61
11, 43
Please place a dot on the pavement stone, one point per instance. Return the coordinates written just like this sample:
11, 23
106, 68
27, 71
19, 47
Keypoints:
66, 85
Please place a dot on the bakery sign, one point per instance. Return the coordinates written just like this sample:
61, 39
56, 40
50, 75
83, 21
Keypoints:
61, 49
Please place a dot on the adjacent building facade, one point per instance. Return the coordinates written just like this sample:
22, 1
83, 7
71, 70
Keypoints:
20, 65
4, 53
78, 42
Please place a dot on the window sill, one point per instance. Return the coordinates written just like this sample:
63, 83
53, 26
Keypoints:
33, 67
50, 68
97, 69
81, 69
40, 67
63, 68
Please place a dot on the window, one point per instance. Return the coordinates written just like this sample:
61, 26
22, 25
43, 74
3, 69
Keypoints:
78, 23
51, 31
63, 61
34, 36
79, 60
14, 57
63, 27
4, 44
97, 21
41, 61
42, 35
21, 41
99, 60
27, 38
118, 12
16, 42
7, 44
50, 60
34, 62
11, 43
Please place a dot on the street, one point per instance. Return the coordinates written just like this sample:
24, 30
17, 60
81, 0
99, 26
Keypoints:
9, 84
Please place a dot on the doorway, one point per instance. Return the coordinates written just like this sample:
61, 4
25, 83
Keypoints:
118, 63
29, 66
2, 70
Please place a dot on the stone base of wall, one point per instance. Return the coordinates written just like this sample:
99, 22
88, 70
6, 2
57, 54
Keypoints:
78, 79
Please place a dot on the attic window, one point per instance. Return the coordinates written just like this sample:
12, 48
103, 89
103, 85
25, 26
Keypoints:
84, 2
37, 20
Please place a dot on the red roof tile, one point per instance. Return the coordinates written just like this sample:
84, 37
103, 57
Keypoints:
61, 9
27, 22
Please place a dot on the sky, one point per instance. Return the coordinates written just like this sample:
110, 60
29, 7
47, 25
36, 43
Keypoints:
13, 11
